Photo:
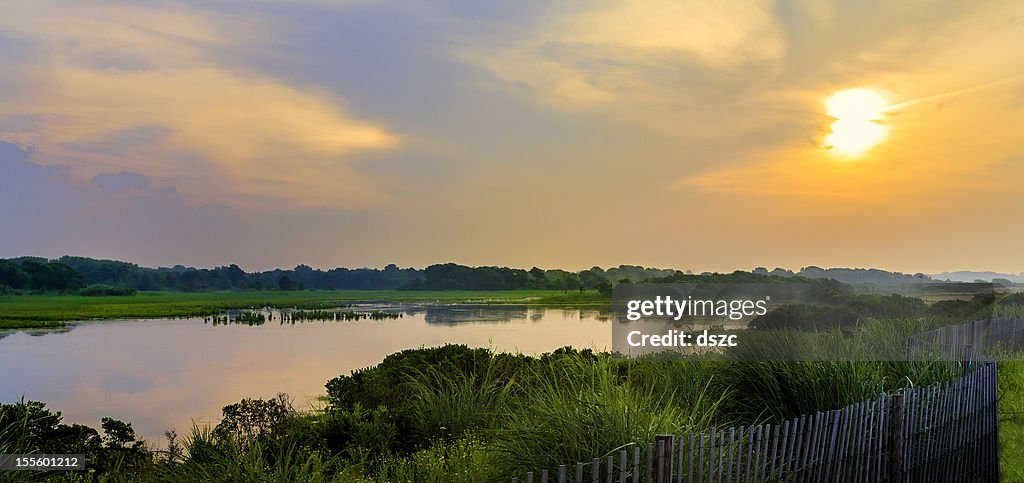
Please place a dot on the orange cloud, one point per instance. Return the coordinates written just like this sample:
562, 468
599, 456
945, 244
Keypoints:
224, 134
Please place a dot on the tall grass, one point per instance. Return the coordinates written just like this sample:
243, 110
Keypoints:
450, 403
14, 440
776, 391
579, 408
777, 375
215, 457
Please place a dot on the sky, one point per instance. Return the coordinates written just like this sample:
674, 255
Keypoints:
684, 134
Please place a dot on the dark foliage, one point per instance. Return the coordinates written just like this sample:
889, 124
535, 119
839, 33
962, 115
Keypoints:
30, 428
39, 275
100, 290
71, 273
805, 317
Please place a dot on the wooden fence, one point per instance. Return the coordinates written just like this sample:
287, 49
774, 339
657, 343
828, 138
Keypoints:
944, 432
986, 334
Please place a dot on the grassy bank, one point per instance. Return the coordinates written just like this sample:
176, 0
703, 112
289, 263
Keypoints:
41, 311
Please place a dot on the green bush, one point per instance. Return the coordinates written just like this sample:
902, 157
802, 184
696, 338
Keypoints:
106, 291
890, 306
805, 317
465, 460
356, 432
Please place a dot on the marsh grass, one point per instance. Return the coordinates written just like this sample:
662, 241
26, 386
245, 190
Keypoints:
449, 403
31, 311
14, 324
215, 456
14, 440
781, 374
579, 407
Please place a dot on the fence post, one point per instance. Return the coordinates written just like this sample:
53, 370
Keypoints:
966, 357
896, 442
663, 465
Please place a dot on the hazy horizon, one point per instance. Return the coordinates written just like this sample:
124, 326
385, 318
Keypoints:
711, 137
527, 267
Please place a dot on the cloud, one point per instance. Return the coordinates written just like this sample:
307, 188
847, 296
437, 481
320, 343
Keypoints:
612, 50
955, 92
49, 213
220, 132
466, 128
716, 34
122, 182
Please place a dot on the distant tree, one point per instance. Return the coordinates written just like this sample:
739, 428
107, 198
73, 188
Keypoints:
189, 280
285, 283
235, 275
51, 275
117, 434
37, 272
591, 279
12, 275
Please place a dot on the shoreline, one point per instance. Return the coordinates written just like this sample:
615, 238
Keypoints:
54, 311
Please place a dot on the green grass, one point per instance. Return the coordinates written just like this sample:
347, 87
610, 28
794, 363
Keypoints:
467, 460
40, 311
577, 408
13, 324
1011, 420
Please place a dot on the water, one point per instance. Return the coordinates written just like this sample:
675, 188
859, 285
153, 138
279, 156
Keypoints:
163, 374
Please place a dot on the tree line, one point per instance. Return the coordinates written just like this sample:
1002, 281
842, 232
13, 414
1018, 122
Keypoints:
113, 277
102, 277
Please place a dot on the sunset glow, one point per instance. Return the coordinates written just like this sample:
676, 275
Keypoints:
269, 133
858, 115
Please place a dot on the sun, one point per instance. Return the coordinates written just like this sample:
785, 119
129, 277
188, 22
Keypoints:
858, 115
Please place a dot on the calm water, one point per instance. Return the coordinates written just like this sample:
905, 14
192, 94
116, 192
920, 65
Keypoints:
161, 374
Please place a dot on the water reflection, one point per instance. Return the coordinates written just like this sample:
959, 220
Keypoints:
447, 314
37, 332
163, 374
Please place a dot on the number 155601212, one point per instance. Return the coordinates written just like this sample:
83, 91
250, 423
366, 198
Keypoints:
44, 462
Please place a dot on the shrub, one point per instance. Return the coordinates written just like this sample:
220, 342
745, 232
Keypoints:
893, 306
465, 460
805, 317
99, 290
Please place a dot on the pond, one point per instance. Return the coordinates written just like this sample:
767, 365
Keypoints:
167, 373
